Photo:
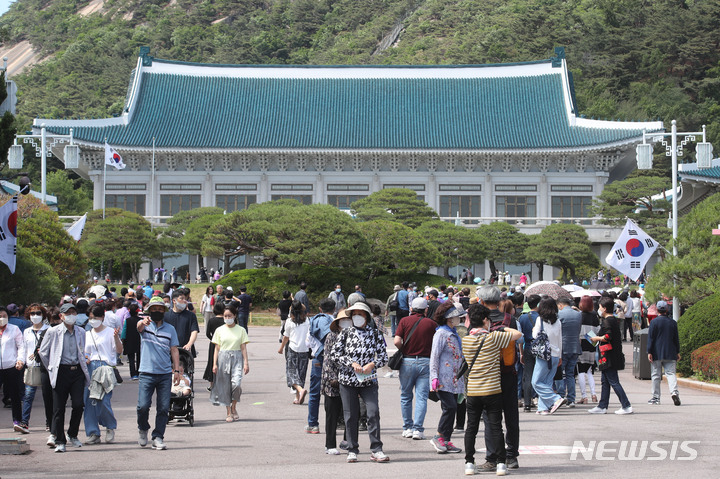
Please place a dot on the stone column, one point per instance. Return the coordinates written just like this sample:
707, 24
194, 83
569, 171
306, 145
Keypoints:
263, 189
96, 178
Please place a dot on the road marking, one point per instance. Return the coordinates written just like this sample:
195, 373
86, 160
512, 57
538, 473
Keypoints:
258, 403
542, 450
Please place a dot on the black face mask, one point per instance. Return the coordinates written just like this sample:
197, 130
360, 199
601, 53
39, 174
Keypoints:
157, 316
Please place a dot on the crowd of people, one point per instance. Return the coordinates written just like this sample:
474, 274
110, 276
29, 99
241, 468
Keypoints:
484, 356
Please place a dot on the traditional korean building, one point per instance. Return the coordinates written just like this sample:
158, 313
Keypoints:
480, 142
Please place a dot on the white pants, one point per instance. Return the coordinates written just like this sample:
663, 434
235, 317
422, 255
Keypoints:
657, 368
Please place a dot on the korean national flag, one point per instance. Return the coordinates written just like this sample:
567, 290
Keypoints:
8, 233
631, 251
113, 158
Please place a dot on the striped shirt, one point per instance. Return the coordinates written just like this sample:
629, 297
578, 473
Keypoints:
484, 378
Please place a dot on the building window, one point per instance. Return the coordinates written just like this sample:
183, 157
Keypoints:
460, 187
467, 206
343, 201
181, 186
171, 204
407, 187
341, 187
128, 186
583, 188
291, 187
571, 207
233, 187
516, 207
133, 203
515, 187
304, 199
234, 202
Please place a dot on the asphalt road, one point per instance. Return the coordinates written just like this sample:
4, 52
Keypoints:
269, 440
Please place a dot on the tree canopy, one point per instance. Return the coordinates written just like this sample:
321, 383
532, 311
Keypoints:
504, 242
456, 244
565, 246
394, 204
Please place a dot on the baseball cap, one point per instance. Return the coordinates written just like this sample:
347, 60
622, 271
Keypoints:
419, 304
67, 307
662, 305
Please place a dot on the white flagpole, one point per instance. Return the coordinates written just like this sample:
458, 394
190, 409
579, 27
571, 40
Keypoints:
104, 177
152, 181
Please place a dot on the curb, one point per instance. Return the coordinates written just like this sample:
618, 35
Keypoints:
691, 383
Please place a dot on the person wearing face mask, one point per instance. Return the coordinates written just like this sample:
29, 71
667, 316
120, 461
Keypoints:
33, 377
12, 360
360, 350
102, 345
159, 370
339, 298
329, 382
445, 361
296, 357
61, 351
184, 321
230, 364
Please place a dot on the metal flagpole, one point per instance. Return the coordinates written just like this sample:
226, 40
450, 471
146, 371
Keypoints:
104, 176
152, 181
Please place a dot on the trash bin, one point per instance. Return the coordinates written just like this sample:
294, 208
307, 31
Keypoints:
641, 365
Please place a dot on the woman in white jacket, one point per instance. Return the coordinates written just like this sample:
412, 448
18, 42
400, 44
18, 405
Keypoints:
544, 371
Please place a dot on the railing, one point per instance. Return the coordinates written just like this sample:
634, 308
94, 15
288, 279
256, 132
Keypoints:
524, 222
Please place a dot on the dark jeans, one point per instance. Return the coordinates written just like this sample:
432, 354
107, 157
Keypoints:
134, 363
492, 405
351, 411
12, 391
628, 327
448, 402
29, 397
610, 379
147, 385
529, 367
47, 392
242, 319
508, 383
70, 382
460, 416
316, 366
333, 412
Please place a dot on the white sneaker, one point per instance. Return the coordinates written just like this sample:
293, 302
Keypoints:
75, 441
142, 438
407, 433
332, 452
109, 436
469, 469
501, 469
624, 410
351, 457
597, 410
93, 439
60, 448
388, 375
379, 456
158, 444
418, 435
51, 440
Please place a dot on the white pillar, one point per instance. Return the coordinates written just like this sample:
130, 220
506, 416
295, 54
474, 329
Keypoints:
488, 208
96, 178
263, 189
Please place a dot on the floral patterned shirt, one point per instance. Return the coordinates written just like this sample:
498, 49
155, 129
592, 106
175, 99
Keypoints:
445, 361
360, 346
330, 368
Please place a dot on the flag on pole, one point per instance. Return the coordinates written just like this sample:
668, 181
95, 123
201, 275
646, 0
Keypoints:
8, 233
631, 251
113, 158
76, 230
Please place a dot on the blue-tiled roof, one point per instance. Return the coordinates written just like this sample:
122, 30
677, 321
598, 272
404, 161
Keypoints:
226, 112
713, 172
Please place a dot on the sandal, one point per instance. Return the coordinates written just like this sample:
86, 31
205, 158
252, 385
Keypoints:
302, 396
295, 401
229, 419
594, 398
235, 416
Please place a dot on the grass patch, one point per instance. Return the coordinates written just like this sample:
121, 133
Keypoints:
264, 319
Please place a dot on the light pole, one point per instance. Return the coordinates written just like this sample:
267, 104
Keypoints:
16, 152
704, 160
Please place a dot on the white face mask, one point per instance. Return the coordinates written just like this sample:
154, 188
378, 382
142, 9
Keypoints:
36, 318
358, 320
345, 323
229, 321
95, 323
70, 319
3, 322
180, 306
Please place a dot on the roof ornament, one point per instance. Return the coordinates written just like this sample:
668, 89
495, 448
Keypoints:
145, 55
559, 57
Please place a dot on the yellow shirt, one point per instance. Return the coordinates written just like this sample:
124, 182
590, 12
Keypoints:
484, 378
230, 339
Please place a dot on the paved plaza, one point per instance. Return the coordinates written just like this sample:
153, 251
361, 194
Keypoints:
269, 440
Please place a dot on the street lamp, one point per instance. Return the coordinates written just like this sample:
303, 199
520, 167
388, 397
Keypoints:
71, 151
704, 160
24, 182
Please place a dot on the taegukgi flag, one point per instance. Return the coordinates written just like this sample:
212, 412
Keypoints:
113, 158
8, 233
76, 230
631, 251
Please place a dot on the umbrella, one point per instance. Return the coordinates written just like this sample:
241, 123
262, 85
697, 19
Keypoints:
584, 292
616, 289
549, 288
572, 287
599, 285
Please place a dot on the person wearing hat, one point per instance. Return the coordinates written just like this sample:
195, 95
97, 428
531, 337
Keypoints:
329, 382
415, 370
360, 350
445, 361
61, 351
159, 370
663, 345
391, 308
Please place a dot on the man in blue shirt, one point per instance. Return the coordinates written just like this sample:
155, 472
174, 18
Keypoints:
571, 320
159, 369
15, 319
663, 347
526, 322
148, 289
319, 328
244, 308
302, 296
403, 310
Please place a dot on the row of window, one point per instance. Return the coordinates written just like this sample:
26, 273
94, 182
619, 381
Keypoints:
450, 205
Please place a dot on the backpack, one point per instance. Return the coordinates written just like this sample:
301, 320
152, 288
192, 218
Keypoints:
394, 304
507, 354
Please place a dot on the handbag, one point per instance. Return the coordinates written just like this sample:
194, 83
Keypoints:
395, 361
464, 365
33, 376
540, 345
116, 372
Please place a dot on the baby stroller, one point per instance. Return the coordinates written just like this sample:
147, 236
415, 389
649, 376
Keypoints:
181, 406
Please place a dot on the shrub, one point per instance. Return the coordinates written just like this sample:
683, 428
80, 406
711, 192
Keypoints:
697, 327
706, 361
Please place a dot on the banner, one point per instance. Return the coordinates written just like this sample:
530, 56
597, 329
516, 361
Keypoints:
631, 251
8, 233
113, 158
76, 230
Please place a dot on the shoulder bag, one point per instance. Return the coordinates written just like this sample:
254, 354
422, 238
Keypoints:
464, 365
395, 361
540, 345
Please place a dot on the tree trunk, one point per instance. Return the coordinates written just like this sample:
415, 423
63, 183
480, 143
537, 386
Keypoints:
493, 270
446, 271
124, 269
201, 262
541, 275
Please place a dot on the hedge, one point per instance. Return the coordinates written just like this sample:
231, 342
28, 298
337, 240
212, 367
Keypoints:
697, 327
706, 361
